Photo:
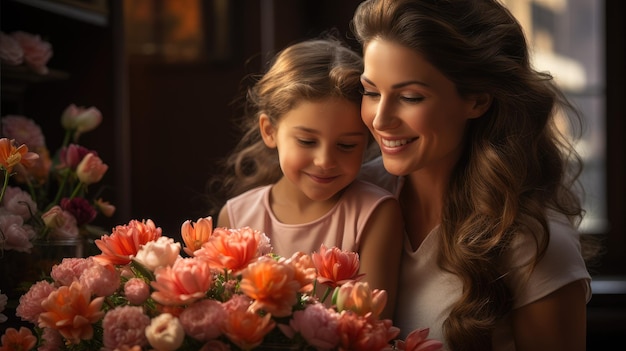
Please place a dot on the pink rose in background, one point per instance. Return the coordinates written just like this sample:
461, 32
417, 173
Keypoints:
91, 169
11, 51
37, 52
124, 326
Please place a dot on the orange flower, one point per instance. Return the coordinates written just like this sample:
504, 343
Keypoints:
13, 340
359, 298
71, 311
305, 270
230, 249
183, 283
336, 267
272, 285
10, 156
125, 241
196, 234
360, 334
247, 329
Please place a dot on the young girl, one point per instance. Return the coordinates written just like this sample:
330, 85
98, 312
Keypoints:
293, 173
466, 128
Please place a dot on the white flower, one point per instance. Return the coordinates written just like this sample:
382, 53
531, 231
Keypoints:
165, 332
162, 252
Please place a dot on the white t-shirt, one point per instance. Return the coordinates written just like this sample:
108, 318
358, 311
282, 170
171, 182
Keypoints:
427, 293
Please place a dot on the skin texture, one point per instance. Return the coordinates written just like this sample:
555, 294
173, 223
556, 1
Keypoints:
320, 146
419, 120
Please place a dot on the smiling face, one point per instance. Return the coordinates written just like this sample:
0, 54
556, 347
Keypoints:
414, 112
320, 145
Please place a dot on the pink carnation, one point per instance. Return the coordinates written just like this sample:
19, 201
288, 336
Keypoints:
37, 52
203, 320
316, 324
101, 280
24, 130
51, 340
10, 50
16, 235
124, 326
19, 202
136, 291
30, 308
69, 270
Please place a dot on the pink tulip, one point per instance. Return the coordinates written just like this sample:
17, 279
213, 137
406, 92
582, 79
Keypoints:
104, 207
91, 169
80, 119
359, 298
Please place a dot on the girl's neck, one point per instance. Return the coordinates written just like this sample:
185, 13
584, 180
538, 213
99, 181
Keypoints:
290, 206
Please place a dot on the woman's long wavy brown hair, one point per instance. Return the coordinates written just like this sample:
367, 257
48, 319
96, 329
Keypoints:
516, 164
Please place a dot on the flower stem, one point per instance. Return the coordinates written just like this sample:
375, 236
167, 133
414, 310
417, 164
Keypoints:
57, 198
4, 186
77, 190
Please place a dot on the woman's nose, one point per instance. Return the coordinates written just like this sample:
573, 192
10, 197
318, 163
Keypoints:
385, 117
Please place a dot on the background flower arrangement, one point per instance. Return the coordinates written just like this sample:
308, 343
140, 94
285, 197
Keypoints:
22, 48
46, 197
228, 292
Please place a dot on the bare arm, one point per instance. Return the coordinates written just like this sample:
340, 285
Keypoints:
555, 322
222, 218
381, 249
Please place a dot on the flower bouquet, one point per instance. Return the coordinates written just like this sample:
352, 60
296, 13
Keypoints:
47, 204
224, 290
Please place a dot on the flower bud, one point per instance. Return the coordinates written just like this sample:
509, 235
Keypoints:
91, 169
165, 332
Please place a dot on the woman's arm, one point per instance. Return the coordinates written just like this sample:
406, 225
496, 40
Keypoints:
555, 322
380, 251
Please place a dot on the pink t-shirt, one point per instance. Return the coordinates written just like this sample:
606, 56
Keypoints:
341, 226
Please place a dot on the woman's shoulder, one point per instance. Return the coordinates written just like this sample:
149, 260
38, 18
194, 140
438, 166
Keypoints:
374, 172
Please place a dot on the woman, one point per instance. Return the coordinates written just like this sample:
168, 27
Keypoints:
466, 128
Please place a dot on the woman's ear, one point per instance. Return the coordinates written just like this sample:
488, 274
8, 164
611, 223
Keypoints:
267, 131
480, 104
